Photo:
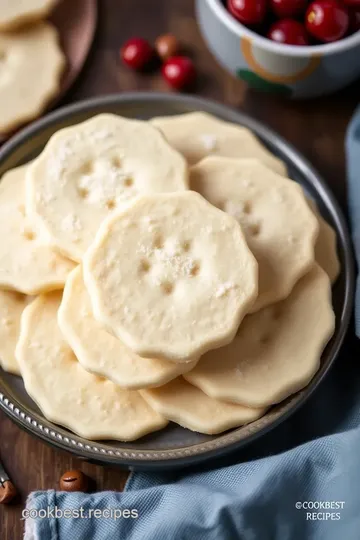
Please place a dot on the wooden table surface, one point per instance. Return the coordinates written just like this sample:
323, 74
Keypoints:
315, 127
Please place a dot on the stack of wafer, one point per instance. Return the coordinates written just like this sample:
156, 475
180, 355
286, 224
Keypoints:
161, 271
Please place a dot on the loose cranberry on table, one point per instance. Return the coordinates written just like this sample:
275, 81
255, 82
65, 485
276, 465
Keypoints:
327, 20
288, 31
288, 8
248, 11
137, 53
179, 72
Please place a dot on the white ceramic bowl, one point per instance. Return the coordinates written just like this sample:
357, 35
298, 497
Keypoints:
298, 72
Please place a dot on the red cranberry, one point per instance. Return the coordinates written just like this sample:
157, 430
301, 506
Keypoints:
288, 31
352, 3
354, 24
179, 72
137, 53
288, 8
327, 20
248, 11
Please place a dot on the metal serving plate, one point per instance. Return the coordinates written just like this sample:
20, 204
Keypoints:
175, 446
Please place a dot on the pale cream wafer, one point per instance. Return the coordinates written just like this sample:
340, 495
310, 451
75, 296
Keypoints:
88, 170
277, 350
171, 276
91, 406
17, 13
279, 227
198, 134
325, 248
102, 353
31, 66
189, 407
12, 305
27, 264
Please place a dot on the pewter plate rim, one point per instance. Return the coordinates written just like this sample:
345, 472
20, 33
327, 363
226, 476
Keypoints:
146, 459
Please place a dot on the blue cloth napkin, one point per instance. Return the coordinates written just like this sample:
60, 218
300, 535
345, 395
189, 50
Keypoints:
299, 482
353, 172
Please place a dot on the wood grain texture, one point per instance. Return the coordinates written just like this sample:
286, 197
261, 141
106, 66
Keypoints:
315, 127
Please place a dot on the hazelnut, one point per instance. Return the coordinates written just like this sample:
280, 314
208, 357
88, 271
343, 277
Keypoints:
7, 492
167, 46
74, 481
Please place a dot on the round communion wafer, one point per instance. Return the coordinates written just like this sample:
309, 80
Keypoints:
276, 351
88, 170
325, 248
171, 276
31, 65
67, 394
12, 305
27, 265
17, 13
278, 225
189, 407
198, 134
102, 353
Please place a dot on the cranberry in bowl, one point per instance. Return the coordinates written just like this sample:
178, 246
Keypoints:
295, 48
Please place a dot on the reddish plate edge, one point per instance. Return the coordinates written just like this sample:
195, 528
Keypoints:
76, 22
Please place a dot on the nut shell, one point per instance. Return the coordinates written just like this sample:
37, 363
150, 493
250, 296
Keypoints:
7, 492
167, 46
74, 481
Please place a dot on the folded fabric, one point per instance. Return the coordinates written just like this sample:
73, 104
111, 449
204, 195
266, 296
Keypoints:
299, 482
352, 146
